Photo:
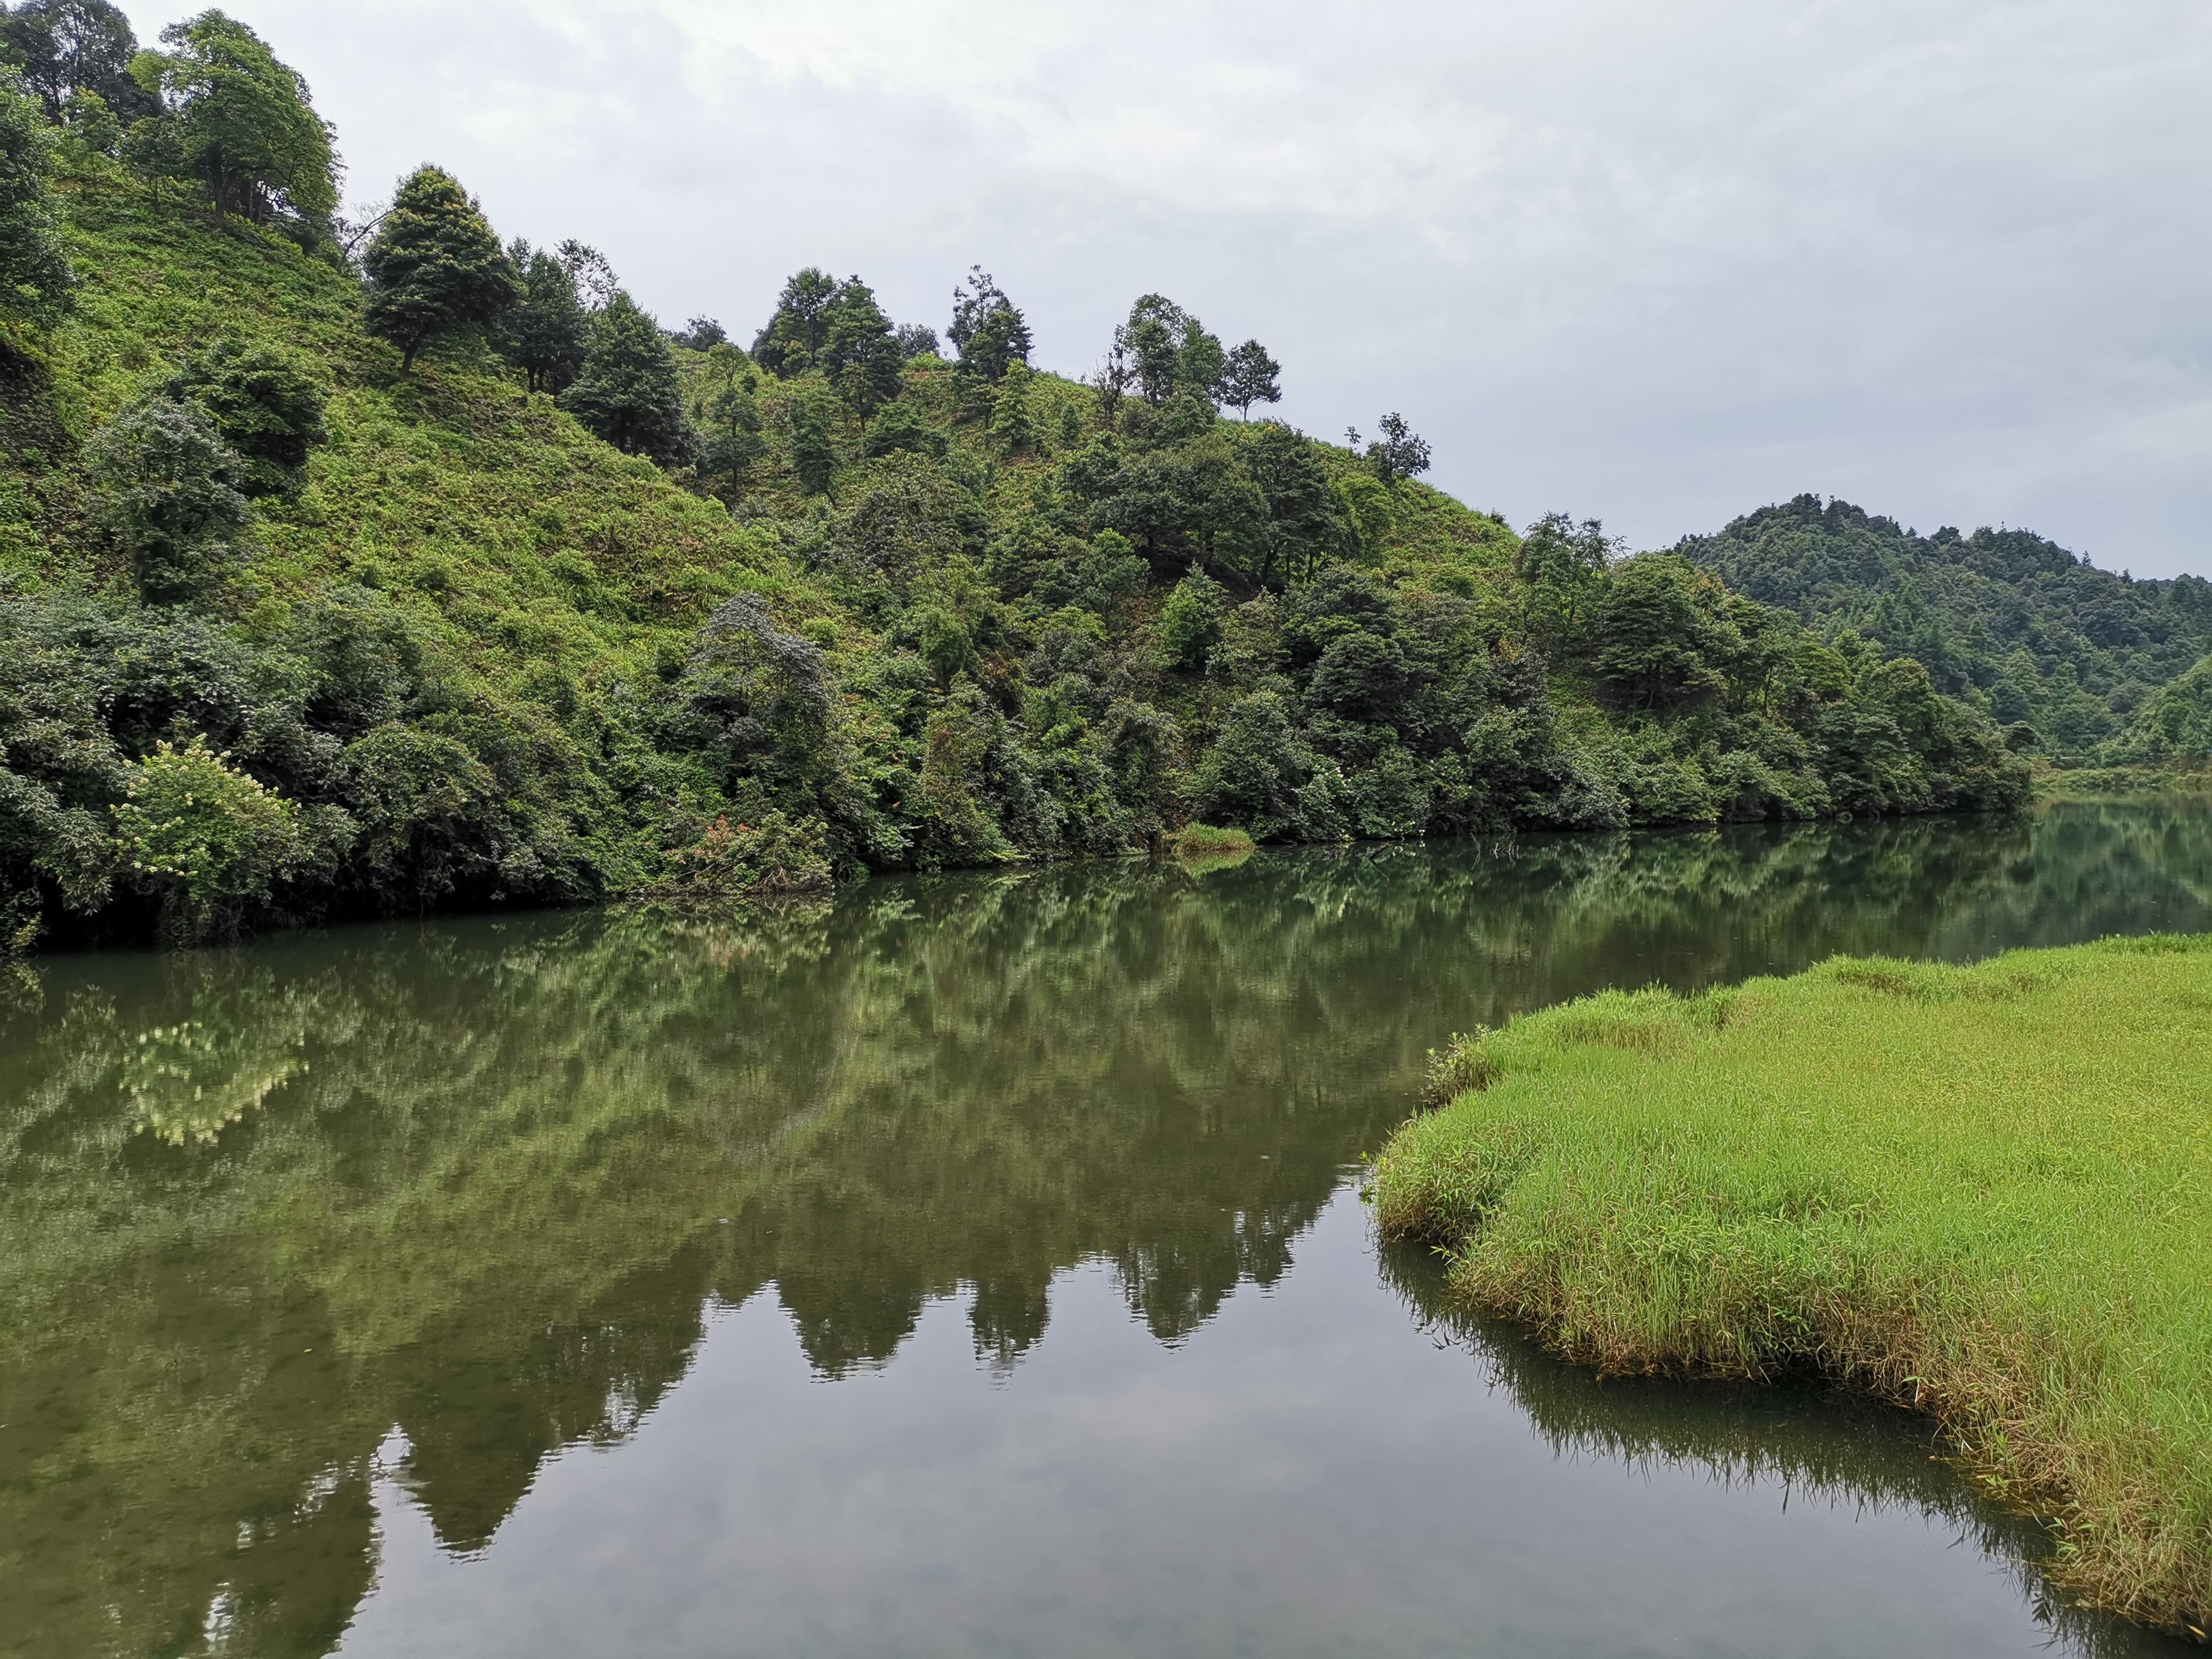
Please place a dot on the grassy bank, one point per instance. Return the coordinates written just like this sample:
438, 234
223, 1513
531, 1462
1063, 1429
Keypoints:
1984, 1192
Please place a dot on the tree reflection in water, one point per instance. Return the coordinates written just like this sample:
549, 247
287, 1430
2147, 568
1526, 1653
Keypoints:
481, 1181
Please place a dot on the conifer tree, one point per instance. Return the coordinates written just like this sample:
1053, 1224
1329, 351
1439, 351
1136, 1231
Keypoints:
435, 268
988, 330
630, 392
547, 331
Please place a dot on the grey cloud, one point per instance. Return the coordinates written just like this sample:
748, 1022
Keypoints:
1661, 264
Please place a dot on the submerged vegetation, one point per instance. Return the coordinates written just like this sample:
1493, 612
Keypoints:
1985, 1191
455, 578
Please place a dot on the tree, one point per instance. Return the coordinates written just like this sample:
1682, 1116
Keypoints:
34, 274
628, 391
239, 121
1564, 565
266, 405
917, 340
987, 329
435, 268
809, 417
860, 352
166, 486
1252, 377
205, 838
1305, 517
66, 46
730, 412
1398, 453
544, 334
89, 118
701, 334
791, 341
1658, 637
1170, 352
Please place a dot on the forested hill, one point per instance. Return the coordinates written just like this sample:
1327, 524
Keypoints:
2006, 618
359, 569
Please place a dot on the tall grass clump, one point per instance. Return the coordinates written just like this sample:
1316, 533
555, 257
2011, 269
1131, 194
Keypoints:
1983, 1192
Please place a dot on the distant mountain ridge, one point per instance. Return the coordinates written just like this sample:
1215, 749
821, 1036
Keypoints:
2031, 631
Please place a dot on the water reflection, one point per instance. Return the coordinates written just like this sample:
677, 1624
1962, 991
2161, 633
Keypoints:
483, 1182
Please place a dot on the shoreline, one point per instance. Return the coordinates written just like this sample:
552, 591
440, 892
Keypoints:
1979, 1192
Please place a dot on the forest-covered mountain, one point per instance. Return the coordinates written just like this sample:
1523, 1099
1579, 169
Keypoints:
351, 568
2003, 618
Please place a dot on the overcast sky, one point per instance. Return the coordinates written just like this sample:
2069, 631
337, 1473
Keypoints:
1951, 259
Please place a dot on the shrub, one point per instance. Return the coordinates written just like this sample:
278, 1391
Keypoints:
206, 840
166, 488
265, 402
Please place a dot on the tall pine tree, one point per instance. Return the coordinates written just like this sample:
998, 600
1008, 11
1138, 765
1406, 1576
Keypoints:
435, 268
629, 393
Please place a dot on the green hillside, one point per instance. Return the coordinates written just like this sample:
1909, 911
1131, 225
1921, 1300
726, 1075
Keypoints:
319, 601
2006, 619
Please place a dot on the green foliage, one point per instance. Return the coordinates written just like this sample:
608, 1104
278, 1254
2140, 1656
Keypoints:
987, 329
91, 121
1979, 1191
1170, 352
627, 392
547, 331
435, 268
167, 488
1190, 620
267, 405
205, 838
992, 612
36, 281
69, 49
790, 343
2033, 634
2173, 727
1251, 376
238, 122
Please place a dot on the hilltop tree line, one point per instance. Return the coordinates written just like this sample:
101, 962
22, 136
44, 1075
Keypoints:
991, 611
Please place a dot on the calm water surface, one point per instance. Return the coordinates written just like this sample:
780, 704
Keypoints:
972, 1266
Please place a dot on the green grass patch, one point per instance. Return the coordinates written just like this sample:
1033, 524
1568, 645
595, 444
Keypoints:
1983, 1192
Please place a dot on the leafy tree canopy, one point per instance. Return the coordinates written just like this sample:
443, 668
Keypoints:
167, 488
267, 405
544, 334
1170, 352
65, 46
35, 280
628, 391
1251, 377
987, 329
239, 121
435, 268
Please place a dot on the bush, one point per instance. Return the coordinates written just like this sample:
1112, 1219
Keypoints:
206, 840
166, 486
266, 404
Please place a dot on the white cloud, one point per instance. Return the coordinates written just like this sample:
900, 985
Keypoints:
1947, 257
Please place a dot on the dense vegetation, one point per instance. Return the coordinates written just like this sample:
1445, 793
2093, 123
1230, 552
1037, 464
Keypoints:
356, 568
2062, 653
1981, 1191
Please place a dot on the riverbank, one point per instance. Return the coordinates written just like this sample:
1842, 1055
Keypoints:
1983, 1192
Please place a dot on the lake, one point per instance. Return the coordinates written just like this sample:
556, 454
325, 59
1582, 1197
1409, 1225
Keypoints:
971, 1265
